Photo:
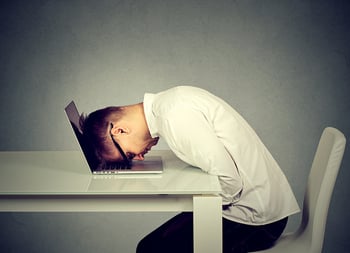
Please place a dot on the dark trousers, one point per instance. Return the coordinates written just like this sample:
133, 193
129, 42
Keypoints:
176, 235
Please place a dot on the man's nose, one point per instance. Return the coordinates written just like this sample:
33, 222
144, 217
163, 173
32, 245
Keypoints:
139, 157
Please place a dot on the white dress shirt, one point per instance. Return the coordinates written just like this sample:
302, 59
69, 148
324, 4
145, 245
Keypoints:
204, 131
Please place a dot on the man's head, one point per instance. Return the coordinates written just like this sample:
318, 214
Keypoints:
118, 133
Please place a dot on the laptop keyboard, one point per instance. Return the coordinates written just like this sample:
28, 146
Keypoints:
112, 167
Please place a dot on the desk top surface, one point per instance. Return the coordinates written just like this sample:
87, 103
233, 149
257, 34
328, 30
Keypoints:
67, 173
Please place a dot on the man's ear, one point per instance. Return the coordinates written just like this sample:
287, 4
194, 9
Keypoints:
119, 129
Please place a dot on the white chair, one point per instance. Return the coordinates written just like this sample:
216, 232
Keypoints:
324, 170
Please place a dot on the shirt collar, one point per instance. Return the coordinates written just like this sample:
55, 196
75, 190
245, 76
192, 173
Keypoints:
150, 117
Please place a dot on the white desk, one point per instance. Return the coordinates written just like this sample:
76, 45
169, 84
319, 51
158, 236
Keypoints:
61, 181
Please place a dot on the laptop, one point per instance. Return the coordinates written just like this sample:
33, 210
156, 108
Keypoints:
151, 164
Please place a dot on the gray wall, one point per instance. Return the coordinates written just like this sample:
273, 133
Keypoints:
283, 64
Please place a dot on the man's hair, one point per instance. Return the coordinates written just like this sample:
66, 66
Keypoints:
95, 126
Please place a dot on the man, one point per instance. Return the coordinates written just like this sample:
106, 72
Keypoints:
206, 132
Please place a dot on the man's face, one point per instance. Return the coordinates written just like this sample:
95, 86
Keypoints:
131, 146
135, 148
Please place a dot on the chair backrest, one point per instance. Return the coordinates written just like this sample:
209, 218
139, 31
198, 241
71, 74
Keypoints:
322, 177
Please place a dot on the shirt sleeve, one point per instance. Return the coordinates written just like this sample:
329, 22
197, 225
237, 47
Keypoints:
193, 139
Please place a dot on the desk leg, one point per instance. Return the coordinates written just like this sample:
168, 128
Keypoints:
207, 224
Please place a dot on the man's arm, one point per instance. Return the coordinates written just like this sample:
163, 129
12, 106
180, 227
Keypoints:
194, 140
